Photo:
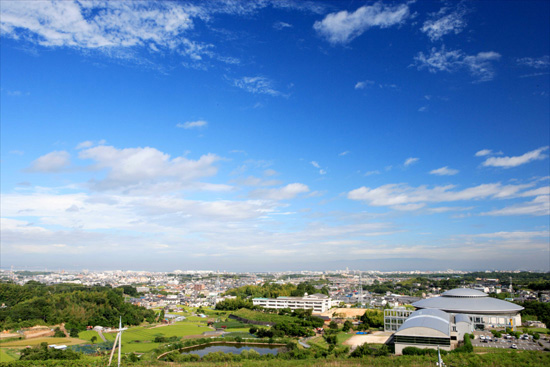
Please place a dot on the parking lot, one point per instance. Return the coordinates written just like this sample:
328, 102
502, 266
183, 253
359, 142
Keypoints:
507, 344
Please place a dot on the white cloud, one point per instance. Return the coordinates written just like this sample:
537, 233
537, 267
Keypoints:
444, 22
344, 153
192, 124
483, 152
84, 144
410, 161
537, 63
512, 235
52, 162
104, 25
281, 25
508, 162
401, 194
444, 171
257, 85
423, 109
479, 66
135, 167
287, 192
342, 27
539, 206
364, 84
322, 171
315, 164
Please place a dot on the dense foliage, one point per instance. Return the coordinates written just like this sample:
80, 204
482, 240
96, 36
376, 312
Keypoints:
539, 309
234, 304
274, 290
42, 352
76, 306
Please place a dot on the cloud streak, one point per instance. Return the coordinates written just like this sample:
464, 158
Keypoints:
342, 27
443, 60
509, 162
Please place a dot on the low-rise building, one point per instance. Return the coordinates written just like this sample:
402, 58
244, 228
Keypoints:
317, 302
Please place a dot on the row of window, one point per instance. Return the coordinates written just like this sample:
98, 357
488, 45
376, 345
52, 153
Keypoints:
404, 339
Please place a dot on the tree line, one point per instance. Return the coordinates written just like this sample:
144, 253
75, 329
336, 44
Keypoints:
75, 305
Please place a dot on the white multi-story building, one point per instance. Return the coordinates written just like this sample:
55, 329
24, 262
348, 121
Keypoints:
317, 302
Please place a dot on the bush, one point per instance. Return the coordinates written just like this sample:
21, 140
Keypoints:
362, 350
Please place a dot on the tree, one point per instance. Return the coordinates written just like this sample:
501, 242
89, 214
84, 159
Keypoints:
347, 326
94, 338
333, 325
73, 333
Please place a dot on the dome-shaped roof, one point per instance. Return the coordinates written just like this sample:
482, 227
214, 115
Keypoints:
464, 292
463, 300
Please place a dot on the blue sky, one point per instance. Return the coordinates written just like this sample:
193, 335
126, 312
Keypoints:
275, 135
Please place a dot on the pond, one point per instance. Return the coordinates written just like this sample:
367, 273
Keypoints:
231, 348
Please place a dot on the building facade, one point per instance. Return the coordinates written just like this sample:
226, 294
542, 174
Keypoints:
317, 302
483, 311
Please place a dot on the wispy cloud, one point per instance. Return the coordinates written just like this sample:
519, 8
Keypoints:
444, 171
344, 153
281, 25
542, 62
479, 66
192, 124
401, 194
410, 161
257, 85
445, 21
52, 162
322, 171
539, 206
343, 26
483, 152
364, 84
508, 162
287, 192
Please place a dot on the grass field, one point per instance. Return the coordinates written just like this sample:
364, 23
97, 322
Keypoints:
260, 316
37, 341
5, 357
140, 339
342, 337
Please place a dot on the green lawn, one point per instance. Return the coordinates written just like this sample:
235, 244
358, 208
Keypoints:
5, 356
145, 336
88, 334
260, 316
342, 337
318, 341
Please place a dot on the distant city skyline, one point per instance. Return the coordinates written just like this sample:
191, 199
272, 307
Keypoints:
275, 135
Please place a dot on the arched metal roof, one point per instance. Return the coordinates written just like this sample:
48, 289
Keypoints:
428, 318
